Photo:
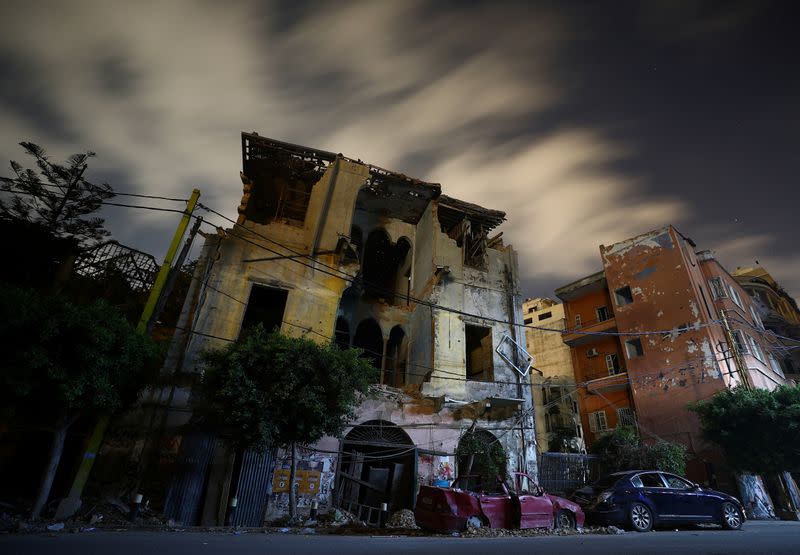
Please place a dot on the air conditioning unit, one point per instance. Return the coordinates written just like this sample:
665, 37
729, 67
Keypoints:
592, 352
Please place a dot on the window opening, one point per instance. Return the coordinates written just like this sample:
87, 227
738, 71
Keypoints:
735, 296
625, 417
612, 364
479, 353
717, 288
577, 320
545, 315
756, 348
597, 421
342, 338
776, 366
740, 343
265, 306
528, 321
396, 358
634, 348
370, 338
623, 296
602, 314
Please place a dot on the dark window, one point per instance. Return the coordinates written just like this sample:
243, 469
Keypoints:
529, 320
634, 348
479, 354
370, 338
265, 306
623, 296
545, 315
651, 480
602, 314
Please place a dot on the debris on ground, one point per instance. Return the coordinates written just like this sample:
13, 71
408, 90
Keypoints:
56, 527
403, 519
501, 532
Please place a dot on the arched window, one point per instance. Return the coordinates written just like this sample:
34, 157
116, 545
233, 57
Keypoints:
396, 358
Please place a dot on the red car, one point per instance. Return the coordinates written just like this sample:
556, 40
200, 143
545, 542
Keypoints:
470, 504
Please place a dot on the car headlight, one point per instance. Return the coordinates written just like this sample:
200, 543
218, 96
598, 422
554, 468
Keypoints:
605, 496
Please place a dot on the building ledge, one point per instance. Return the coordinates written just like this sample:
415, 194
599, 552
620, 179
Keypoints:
608, 384
583, 335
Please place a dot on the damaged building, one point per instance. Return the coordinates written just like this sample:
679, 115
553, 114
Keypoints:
659, 327
338, 250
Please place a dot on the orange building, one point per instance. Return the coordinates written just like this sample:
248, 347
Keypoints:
647, 338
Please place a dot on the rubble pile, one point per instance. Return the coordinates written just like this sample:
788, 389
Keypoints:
402, 519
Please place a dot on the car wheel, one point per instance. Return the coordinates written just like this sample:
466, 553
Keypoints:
640, 517
473, 523
565, 520
731, 517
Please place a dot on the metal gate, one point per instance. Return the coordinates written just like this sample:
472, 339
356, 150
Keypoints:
563, 473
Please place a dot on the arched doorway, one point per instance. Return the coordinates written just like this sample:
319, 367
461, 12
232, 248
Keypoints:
377, 464
481, 455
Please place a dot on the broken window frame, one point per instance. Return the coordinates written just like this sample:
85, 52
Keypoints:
522, 354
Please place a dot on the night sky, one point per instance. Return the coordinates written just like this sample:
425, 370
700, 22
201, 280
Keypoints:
587, 122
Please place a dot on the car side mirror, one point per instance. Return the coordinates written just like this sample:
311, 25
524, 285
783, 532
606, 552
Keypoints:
696, 487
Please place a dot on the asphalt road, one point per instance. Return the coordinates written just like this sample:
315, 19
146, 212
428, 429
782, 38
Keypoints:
757, 537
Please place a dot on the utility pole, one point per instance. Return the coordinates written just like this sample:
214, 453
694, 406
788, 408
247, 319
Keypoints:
70, 505
741, 368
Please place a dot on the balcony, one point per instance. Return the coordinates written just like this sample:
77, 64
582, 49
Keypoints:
608, 384
582, 335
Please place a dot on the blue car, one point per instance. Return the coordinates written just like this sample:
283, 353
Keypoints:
642, 499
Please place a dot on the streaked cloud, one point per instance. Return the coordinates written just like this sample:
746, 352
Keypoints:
161, 91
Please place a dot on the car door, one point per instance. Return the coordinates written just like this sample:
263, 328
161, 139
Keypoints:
654, 490
535, 508
690, 502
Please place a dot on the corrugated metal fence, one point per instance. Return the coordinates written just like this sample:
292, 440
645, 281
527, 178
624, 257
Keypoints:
190, 476
188, 483
563, 473
254, 480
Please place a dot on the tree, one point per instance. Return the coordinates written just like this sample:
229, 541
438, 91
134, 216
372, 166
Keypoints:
623, 449
766, 422
269, 390
480, 453
57, 197
62, 361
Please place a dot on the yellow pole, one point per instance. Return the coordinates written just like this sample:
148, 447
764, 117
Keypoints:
163, 272
70, 505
